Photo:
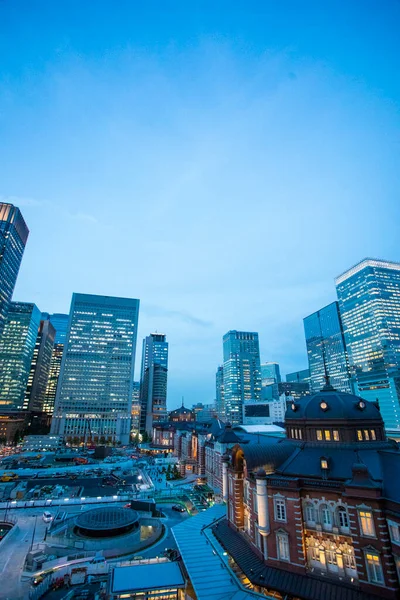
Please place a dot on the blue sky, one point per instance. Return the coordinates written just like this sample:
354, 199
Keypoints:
221, 161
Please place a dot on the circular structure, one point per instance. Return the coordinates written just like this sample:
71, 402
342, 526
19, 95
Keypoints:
106, 522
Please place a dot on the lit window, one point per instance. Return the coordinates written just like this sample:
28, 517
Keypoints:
280, 509
367, 523
319, 435
282, 544
327, 435
366, 435
335, 435
343, 518
300, 435
373, 434
324, 463
359, 435
375, 574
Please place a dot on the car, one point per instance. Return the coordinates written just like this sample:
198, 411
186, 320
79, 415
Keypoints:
179, 508
47, 517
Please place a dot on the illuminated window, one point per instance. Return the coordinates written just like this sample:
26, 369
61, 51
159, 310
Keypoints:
375, 574
367, 523
319, 435
335, 435
373, 434
327, 435
366, 435
324, 463
359, 435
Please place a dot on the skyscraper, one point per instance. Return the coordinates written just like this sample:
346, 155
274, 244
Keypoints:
153, 381
369, 301
17, 345
94, 394
219, 390
242, 374
35, 394
13, 236
270, 373
60, 324
302, 376
326, 349
135, 411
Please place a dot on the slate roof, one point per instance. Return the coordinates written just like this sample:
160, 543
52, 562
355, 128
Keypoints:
268, 453
340, 406
306, 587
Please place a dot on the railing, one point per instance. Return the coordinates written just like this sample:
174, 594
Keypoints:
15, 504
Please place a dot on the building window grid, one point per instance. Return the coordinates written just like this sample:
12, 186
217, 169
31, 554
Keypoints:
280, 509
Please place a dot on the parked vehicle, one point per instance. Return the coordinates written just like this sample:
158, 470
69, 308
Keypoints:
179, 508
47, 517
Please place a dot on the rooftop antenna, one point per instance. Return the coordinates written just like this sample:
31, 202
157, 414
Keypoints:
182, 401
327, 385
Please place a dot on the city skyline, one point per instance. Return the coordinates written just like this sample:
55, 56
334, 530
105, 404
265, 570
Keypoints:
233, 160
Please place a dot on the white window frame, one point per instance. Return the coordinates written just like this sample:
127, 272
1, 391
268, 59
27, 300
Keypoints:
309, 506
326, 511
364, 519
282, 543
342, 509
394, 531
280, 509
374, 567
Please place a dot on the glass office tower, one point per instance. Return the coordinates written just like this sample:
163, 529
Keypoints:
17, 346
302, 376
60, 323
94, 395
35, 395
242, 372
369, 300
326, 349
153, 381
13, 236
270, 373
220, 394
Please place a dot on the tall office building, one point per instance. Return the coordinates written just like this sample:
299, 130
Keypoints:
326, 349
270, 373
60, 323
302, 376
135, 410
35, 394
13, 236
17, 346
153, 381
369, 300
242, 373
94, 394
219, 391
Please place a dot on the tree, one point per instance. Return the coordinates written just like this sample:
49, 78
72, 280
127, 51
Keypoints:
17, 437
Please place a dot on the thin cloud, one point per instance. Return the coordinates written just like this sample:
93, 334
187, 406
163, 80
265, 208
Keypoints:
159, 311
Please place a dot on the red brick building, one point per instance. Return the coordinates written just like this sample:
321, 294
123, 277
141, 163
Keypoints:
317, 515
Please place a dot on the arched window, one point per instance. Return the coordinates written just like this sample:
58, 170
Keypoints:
343, 517
309, 512
326, 516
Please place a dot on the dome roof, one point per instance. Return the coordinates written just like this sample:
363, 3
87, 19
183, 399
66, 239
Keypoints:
333, 405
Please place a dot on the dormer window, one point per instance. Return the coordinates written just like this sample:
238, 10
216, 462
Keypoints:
294, 407
323, 405
324, 464
361, 405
